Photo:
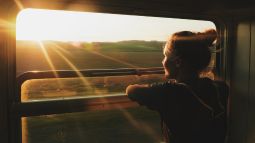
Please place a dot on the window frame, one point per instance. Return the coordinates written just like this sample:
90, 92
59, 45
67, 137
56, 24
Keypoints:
71, 105
17, 109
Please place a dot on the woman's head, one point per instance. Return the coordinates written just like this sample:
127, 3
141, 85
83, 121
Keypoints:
188, 51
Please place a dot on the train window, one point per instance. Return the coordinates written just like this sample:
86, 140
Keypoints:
63, 40
72, 57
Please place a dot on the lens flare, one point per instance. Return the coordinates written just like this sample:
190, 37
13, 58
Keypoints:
47, 57
72, 66
19, 4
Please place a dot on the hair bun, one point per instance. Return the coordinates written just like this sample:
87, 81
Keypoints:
209, 36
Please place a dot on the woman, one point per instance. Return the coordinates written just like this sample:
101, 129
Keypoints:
192, 109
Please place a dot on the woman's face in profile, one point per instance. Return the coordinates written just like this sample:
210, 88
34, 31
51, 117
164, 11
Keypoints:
169, 64
166, 68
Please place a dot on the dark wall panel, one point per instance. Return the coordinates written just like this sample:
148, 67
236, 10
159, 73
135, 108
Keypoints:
251, 103
3, 90
239, 84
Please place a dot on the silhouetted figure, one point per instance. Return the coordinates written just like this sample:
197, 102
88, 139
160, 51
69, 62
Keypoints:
192, 109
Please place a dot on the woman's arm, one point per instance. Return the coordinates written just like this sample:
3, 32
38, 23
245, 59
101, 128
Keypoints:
136, 90
148, 95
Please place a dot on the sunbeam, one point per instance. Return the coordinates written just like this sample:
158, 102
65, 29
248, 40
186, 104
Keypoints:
61, 49
6, 24
19, 4
47, 57
53, 68
85, 82
108, 57
113, 59
72, 66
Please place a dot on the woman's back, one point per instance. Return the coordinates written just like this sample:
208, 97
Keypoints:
198, 113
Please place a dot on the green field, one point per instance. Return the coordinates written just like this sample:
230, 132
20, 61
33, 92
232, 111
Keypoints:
125, 54
136, 125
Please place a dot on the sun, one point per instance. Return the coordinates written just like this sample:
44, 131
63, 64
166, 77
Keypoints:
59, 25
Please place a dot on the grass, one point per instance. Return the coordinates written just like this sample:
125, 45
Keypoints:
89, 55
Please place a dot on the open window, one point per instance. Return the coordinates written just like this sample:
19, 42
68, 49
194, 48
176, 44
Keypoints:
73, 68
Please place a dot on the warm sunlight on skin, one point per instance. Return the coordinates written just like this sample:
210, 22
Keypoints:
37, 24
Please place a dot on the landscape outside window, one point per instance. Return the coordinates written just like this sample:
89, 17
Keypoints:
65, 40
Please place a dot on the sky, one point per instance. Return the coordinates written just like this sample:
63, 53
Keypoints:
38, 24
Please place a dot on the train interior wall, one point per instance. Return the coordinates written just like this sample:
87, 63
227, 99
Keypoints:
242, 81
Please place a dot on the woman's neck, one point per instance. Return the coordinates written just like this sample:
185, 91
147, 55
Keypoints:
187, 78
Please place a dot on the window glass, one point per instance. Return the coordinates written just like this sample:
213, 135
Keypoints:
57, 88
134, 125
66, 40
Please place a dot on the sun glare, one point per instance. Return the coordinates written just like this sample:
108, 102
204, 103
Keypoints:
38, 24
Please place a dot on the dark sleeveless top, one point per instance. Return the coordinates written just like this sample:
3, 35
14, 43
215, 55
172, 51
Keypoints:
189, 113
